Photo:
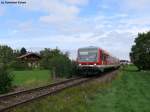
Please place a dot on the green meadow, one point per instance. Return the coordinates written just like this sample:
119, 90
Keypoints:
129, 92
29, 78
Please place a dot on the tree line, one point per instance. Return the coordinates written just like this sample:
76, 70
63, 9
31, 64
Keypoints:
51, 59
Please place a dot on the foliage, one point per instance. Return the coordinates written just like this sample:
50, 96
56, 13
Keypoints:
52, 59
61, 65
57, 62
23, 51
6, 54
46, 55
140, 52
5, 79
16, 53
74, 66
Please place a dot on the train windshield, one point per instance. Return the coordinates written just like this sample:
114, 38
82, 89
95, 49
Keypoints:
87, 55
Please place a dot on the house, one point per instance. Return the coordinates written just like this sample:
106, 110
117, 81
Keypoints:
31, 58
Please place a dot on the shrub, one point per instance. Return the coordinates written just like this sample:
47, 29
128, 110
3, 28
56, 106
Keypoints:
5, 79
57, 62
61, 65
74, 67
6, 54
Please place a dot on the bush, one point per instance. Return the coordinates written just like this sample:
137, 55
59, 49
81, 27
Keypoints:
6, 54
57, 62
74, 67
61, 65
5, 79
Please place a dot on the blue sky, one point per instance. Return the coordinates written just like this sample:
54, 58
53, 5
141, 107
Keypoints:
70, 24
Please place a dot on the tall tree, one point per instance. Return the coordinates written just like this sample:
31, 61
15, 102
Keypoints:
140, 52
6, 54
23, 51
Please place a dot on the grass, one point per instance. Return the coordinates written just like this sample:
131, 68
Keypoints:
129, 92
30, 78
70, 100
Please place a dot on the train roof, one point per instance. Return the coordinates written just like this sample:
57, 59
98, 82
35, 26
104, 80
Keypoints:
95, 47
89, 47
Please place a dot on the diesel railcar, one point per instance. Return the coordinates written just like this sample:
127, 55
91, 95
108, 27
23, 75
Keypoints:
94, 59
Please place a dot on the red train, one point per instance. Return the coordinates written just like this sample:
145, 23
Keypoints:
94, 59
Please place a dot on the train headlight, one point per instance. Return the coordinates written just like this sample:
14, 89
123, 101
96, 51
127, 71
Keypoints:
79, 64
95, 64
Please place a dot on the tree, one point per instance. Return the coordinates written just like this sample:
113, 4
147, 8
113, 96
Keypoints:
46, 55
5, 79
16, 53
140, 52
61, 65
56, 61
6, 54
23, 51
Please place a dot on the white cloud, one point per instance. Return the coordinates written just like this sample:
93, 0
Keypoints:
59, 19
56, 11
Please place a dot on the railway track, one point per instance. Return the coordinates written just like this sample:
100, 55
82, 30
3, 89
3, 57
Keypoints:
11, 100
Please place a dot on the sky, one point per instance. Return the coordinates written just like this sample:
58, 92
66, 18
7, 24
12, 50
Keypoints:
70, 24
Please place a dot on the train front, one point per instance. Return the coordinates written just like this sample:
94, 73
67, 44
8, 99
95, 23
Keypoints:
87, 60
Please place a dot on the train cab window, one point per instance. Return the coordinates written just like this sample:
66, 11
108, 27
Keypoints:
88, 55
83, 53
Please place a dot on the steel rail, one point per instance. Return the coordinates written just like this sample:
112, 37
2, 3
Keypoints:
36, 88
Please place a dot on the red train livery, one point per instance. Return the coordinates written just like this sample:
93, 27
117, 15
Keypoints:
94, 58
